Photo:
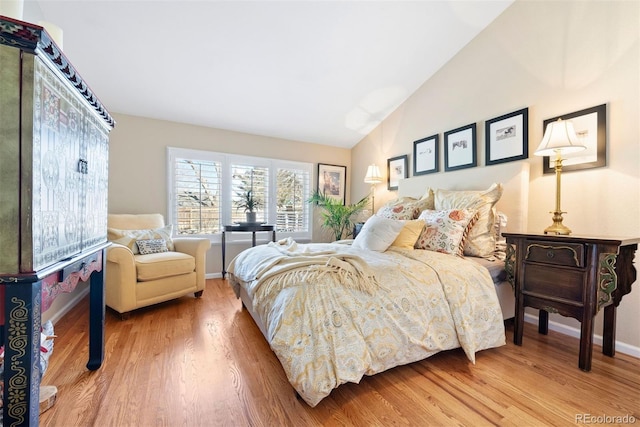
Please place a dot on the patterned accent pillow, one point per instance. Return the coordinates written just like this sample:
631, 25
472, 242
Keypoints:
482, 237
405, 208
152, 246
377, 234
409, 234
128, 237
446, 230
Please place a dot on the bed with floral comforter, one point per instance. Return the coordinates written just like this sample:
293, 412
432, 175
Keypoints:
333, 313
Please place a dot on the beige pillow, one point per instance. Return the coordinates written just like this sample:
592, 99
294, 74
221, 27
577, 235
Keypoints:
481, 241
128, 238
409, 234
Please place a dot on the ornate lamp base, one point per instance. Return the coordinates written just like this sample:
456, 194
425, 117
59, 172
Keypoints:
557, 227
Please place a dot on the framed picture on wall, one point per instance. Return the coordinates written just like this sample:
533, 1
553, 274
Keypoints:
460, 148
507, 137
590, 125
425, 155
397, 169
332, 181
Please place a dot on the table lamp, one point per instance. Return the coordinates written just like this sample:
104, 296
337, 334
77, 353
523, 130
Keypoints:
373, 177
559, 138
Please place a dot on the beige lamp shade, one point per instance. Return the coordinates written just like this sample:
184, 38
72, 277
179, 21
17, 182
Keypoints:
559, 137
373, 175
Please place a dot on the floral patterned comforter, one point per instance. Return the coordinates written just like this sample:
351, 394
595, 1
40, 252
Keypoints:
326, 333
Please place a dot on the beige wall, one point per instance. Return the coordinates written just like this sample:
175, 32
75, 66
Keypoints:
137, 164
555, 58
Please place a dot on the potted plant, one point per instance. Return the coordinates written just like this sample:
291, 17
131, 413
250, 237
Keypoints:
249, 203
335, 215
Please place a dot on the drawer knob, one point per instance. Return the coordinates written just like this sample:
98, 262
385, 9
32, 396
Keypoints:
550, 254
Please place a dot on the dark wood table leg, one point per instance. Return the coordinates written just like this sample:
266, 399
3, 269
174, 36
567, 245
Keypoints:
543, 322
586, 343
96, 317
224, 246
273, 237
22, 354
518, 321
253, 238
609, 331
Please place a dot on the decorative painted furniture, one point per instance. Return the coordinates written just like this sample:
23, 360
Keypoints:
136, 281
243, 228
54, 140
573, 276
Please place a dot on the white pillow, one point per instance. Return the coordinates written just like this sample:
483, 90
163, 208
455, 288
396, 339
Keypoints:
378, 233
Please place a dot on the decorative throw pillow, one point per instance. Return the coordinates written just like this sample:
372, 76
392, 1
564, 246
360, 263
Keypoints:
405, 208
409, 234
152, 246
128, 237
445, 230
482, 238
377, 234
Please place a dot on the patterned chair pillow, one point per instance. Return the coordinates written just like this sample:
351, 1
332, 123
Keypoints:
446, 230
152, 246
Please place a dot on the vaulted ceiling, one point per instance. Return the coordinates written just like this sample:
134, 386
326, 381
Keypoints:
324, 72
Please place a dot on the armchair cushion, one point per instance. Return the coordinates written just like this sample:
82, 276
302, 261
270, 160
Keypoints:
163, 264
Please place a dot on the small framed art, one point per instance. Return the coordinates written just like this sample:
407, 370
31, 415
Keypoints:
507, 137
397, 169
590, 125
425, 155
460, 148
332, 181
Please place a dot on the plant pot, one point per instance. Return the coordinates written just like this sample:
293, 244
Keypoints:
251, 217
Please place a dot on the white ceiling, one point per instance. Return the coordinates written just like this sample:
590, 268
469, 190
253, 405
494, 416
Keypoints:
325, 72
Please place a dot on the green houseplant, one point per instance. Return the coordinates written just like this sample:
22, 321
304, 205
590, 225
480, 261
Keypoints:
249, 203
336, 216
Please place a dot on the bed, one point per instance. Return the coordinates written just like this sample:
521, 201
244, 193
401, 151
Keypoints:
334, 312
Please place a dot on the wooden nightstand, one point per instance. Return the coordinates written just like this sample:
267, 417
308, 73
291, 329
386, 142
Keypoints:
573, 276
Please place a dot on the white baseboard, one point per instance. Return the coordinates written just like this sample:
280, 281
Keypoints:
68, 306
213, 275
575, 332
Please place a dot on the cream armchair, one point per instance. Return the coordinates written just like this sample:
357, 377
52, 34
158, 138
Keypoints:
135, 280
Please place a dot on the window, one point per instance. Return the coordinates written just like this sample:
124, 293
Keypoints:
206, 189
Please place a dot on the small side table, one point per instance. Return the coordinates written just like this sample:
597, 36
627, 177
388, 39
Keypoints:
573, 276
244, 228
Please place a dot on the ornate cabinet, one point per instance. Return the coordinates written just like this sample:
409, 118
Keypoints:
54, 149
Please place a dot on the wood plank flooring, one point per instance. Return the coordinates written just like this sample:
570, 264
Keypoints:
203, 362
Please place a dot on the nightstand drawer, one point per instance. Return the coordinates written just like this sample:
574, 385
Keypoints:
565, 254
559, 283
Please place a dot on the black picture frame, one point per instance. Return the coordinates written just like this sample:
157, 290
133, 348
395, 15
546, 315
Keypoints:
397, 169
507, 137
332, 181
460, 150
425, 155
590, 125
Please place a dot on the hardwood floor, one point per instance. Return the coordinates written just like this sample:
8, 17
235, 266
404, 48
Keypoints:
203, 362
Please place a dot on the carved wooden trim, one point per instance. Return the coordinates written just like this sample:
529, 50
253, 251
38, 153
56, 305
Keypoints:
607, 278
510, 265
